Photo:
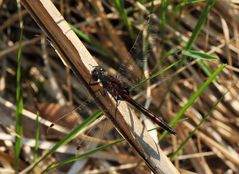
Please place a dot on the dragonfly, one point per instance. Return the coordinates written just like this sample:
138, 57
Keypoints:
120, 91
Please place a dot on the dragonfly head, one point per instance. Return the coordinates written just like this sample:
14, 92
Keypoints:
97, 73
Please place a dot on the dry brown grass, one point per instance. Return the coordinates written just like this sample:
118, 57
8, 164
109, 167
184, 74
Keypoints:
52, 89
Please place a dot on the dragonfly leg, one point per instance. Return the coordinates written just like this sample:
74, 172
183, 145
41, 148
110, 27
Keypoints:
104, 92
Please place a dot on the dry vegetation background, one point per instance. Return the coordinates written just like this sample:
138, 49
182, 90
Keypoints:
143, 47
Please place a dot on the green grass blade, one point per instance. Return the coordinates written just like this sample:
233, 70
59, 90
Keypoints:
119, 4
162, 14
188, 2
74, 133
84, 36
172, 51
194, 35
81, 156
155, 75
199, 24
142, 1
94, 43
193, 98
199, 55
19, 104
37, 135
182, 145
206, 69
19, 130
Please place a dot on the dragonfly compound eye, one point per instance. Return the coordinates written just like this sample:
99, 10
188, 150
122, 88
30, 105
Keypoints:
97, 73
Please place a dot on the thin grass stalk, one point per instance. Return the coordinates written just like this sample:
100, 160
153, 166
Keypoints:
19, 100
37, 136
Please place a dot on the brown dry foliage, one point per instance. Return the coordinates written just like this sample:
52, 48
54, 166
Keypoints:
51, 89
